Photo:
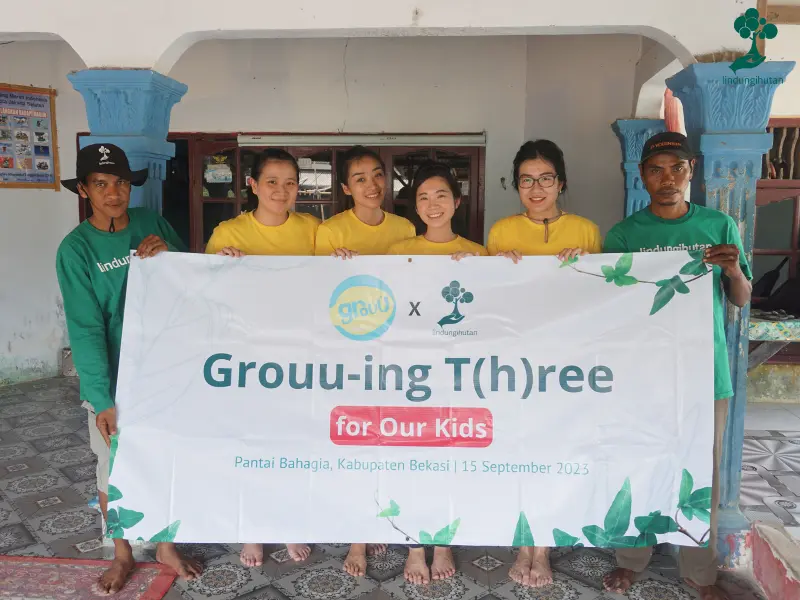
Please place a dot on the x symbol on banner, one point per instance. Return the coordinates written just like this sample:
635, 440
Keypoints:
414, 309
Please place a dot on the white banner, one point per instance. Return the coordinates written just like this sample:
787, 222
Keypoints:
397, 399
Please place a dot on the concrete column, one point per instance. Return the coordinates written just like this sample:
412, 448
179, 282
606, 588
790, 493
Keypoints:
726, 118
131, 109
633, 133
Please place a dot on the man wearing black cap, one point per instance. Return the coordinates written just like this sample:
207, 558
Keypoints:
671, 223
92, 268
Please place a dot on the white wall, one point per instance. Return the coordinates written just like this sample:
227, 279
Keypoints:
786, 46
395, 85
577, 87
33, 223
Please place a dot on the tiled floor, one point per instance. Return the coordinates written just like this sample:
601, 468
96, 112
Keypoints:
47, 477
771, 465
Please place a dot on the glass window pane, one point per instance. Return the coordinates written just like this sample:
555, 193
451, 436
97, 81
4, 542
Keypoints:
213, 214
404, 167
219, 175
763, 264
321, 210
316, 178
774, 225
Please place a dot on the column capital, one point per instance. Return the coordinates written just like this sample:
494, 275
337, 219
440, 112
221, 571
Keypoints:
127, 101
632, 134
718, 100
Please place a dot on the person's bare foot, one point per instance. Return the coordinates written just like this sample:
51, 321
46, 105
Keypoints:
252, 555
416, 570
707, 592
541, 574
355, 563
520, 572
113, 579
443, 566
619, 580
187, 568
374, 549
298, 552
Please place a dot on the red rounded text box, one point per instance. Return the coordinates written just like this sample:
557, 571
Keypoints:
411, 426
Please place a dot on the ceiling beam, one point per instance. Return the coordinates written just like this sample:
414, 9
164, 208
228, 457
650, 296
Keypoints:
782, 14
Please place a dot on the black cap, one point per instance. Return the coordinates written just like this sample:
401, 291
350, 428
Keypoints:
104, 158
671, 142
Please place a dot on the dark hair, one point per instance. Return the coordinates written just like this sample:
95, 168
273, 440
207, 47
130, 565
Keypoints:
275, 154
545, 150
434, 169
352, 155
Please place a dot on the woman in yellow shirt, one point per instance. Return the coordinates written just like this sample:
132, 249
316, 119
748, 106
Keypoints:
271, 229
366, 228
437, 196
540, 176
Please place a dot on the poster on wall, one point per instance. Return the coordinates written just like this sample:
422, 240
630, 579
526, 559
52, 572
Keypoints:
28, 143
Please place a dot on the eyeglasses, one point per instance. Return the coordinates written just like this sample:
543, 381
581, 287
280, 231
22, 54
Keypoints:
545, 181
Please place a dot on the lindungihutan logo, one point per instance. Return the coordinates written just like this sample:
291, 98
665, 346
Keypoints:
752, 26
455, 294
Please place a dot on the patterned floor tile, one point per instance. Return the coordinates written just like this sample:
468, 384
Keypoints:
14, 537
458, 587
278, 563
60, 525
203, 552
16, 451
37, 550
786, 508
338, 550
224, 579
9, 437
740, 586
587, 565
387, 565
754, 489
32, 484
773, 455
79, 473
17, 467
22, 409
87, 545
4, 426
69, 456
66, 413
45, 503
8, 515
325, 581
58, 442
45, 430
28, 420
270, 593
652, 588
562, 588
87, 489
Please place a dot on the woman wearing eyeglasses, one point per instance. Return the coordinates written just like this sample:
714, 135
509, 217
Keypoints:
540, 177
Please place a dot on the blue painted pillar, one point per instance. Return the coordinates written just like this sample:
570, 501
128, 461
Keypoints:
726, 118
633, 133
131, 109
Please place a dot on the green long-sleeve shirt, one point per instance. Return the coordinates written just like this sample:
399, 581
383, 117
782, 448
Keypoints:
92, 269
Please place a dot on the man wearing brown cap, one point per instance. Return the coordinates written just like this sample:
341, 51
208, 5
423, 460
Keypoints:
92, 268
670, 223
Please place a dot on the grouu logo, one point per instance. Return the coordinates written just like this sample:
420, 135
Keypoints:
455, 294
362, 308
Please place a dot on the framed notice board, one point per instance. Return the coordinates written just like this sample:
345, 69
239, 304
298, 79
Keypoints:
28, 141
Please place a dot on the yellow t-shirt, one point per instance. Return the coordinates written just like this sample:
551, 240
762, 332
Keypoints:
420, 245
295, 237
345, 230
520, 233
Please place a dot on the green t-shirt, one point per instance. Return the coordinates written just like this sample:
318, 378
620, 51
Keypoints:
698, 229
92, 270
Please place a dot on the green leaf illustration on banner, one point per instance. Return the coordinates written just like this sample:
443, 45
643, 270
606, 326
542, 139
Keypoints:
114, 494
694, 267
392, 511
656, 523
522, 533
113, 452
702, 514
568, 262
687, 483
425, 538
167, 534
666, 291
597, 536
129, 518
619, 273
562, 538
618, 517
444, 537
646, 539
624, 541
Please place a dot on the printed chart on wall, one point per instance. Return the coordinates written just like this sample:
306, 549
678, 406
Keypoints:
28, 145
